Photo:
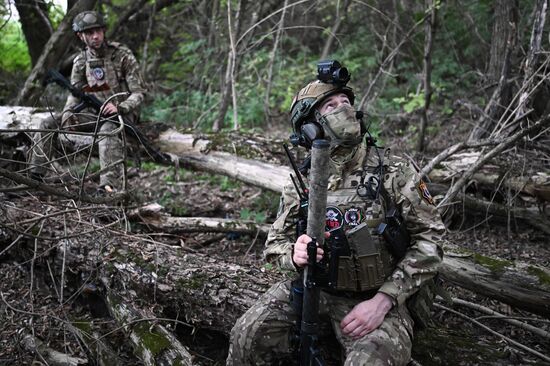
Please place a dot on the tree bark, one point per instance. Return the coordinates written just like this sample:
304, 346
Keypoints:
428, 43
529, 68
52, 53
152, 217
503, 44
195, 153
152, 342
228, 84
33, 15
504, 23
339, 17
271, 63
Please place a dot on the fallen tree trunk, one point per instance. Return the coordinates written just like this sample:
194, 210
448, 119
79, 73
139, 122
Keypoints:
153, 343
152, 217
492, 176
197, 153
486, 209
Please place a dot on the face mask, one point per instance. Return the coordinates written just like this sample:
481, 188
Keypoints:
342, 126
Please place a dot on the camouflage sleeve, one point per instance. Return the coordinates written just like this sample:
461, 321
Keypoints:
282, 235
424, 256
78, 79
134, 80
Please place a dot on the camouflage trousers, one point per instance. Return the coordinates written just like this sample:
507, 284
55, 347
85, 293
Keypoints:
262, 335
109, 145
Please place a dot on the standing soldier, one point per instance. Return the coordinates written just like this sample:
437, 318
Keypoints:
367, 309
103, 69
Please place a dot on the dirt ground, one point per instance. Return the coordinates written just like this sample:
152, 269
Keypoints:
30, 304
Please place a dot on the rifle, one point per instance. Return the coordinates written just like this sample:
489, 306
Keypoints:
313, 277
91, 101
303, 193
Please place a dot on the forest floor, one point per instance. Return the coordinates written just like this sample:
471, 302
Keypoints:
27, 309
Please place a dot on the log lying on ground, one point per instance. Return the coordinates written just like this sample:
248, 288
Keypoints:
98, 350
51, 356
531, 215
153, 343
196, 153
491, 176
13, 119
204, 291
153, 217
515, 283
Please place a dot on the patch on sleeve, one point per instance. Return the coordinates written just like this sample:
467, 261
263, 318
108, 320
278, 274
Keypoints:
423, 189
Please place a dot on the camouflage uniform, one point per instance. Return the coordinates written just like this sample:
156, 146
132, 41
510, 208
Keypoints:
110, 70
261, 335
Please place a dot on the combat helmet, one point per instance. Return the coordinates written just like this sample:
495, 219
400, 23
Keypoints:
88, 20
311, 96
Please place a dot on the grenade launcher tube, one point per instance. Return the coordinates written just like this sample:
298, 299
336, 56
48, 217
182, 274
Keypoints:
318, 183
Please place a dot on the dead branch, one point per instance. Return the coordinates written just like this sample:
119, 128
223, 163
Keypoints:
538, 331
507, 142
531, 216
34, 184
430, 24
515, 343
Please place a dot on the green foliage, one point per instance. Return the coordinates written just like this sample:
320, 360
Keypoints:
13, 48
223, 182
247, 214
411, 102
149, 166
55, 13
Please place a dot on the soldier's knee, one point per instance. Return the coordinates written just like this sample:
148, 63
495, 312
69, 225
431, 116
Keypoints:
378, 354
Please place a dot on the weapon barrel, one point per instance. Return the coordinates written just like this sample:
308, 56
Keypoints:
318, 184
309, 347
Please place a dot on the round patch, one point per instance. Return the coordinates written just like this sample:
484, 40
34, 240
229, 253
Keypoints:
353, 216
334, 218
98, 73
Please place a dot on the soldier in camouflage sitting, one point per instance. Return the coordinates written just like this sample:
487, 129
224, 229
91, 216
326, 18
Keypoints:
103, 68
367, 312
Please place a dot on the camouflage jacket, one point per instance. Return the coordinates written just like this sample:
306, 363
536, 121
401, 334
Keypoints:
113, 70
403, 183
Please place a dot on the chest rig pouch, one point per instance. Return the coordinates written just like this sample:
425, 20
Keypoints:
102, 76
366, 264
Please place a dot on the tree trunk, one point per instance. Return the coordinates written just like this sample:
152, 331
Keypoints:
271, 63
504, 23
335, 27
228, 87
428, 43
52, 53
33, 15
503, 43
530, 66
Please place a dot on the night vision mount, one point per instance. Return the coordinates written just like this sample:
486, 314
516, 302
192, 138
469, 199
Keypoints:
332, 72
